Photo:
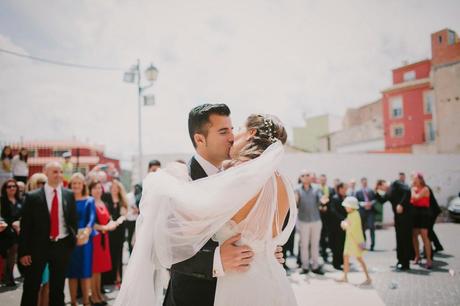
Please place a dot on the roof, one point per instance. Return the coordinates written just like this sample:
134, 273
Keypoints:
65, 144
83, 160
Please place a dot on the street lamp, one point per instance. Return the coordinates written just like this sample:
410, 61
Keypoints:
133, 75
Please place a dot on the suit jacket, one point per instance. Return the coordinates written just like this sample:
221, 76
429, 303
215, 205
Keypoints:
370, 197
35, 222
192, 281
337, 213
399, 193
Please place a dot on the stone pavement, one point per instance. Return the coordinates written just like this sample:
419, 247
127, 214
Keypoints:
440, 286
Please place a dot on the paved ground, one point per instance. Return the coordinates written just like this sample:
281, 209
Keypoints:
440, 286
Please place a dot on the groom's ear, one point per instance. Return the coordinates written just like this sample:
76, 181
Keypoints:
199, 139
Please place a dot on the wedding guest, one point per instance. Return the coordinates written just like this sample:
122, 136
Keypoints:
308, 224
37, 181
117, 205
11, 214
131, 217
366, 198
381, 187
154, 165
48, 234
420, 200
351, 191
354, 241
19, 166
5, 165
336, 215
102, 261
326, 193
435, 212
67, 167
81, 261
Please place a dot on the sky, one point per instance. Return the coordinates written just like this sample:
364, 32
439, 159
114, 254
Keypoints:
294, 59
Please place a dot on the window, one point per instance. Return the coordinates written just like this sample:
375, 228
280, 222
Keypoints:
397, 131
440, 39
450, 37
428, 102
429, 131
396, 107
409, 75
32, 152
58, 153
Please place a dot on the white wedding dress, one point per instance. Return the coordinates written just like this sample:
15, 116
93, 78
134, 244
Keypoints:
178, 216
265, 283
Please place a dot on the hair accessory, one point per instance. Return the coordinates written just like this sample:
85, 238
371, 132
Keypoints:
269, 129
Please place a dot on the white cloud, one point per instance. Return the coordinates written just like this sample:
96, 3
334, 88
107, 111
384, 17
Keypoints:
278, 57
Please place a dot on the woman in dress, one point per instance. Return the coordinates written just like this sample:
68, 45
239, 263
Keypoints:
354, 239
420, 200
178, 216
117, 203
102, 261
5, 164
11, 208
81, 260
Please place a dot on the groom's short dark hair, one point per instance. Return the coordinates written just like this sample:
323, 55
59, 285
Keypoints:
199, 117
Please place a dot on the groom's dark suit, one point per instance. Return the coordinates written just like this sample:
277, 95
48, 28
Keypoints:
192, 282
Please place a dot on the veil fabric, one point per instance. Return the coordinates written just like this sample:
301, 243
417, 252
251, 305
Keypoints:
178, 216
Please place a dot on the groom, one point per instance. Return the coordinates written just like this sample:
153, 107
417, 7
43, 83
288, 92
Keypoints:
193, 281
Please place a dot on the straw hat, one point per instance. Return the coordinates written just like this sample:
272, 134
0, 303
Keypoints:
351, 202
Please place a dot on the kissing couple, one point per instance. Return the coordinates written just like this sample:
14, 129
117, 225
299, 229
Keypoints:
215, 223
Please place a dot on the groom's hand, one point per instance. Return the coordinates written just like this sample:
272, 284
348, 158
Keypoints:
279, 255
235, 258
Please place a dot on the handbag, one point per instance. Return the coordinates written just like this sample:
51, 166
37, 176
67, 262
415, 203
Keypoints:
82, 237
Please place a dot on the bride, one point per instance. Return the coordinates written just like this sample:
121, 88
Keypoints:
178, 216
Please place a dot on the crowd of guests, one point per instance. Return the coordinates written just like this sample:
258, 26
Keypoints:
60, 225
324, 231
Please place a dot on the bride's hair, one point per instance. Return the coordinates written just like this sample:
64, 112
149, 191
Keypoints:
268, 129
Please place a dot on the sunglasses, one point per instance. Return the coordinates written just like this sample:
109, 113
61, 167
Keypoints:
11, 187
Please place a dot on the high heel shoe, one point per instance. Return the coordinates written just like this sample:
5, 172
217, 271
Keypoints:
417, 260
429, 266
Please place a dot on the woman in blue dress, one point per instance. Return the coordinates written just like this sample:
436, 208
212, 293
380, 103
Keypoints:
81, 261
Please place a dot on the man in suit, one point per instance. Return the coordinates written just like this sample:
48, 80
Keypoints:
366, 198
48, 235
336, 214
399, 196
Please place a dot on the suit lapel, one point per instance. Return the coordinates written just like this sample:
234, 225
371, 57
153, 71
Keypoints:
195, 170
44, 202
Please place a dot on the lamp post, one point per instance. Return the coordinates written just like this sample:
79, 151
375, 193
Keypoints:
134, 76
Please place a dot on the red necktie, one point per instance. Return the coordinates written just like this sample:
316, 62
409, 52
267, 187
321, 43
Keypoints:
54, 229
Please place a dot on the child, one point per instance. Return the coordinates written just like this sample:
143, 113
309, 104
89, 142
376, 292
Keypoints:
354, 241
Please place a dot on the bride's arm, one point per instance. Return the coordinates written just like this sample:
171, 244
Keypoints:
283, 206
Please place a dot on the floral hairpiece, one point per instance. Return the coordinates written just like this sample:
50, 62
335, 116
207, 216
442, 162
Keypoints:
269, 127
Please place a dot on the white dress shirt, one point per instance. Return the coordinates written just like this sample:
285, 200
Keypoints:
210, 169
49, 193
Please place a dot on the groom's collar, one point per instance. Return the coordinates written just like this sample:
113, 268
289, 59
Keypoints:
209, 168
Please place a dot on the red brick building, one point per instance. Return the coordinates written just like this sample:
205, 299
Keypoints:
84, 156
408, 108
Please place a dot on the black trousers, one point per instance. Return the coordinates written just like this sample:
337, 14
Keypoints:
186, 290
336, 243
324, 239
130, 227
57, 255
433, 237
404, 247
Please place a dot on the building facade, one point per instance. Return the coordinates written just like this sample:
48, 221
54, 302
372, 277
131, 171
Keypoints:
307, 138
445, 49
408, 107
